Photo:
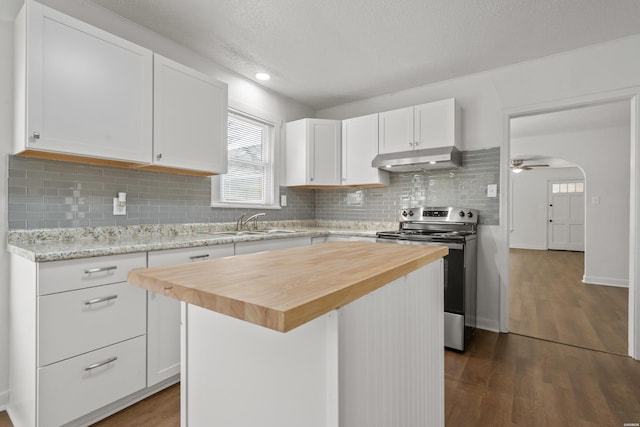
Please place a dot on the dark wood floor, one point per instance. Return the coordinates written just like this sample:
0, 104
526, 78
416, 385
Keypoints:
160, 410
501, 380
513, 380
548, 300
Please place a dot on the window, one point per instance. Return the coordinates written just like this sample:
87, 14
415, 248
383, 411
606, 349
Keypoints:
569, 187
249, 181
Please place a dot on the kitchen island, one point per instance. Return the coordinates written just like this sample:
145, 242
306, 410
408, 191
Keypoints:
344, 333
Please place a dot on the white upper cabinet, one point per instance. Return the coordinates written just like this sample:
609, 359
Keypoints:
436, 124
359, 147
85, 95
190, 119
313, 153
80, 90
396, 130
431, 125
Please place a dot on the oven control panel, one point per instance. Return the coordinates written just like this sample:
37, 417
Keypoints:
449, 214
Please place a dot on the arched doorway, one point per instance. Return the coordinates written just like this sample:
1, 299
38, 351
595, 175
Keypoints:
570, 296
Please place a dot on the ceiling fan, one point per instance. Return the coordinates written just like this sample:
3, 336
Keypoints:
517, 166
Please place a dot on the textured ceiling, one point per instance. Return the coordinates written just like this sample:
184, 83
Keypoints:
328, 52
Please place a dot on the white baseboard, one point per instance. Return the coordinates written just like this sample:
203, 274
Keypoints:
488, 324
525, 246
4, 400
605, 281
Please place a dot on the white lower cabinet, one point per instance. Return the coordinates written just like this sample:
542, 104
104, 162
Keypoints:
77, 337
71, 323
74, 387
270, 245
163, 313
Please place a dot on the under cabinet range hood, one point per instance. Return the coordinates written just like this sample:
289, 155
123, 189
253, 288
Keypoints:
419, 160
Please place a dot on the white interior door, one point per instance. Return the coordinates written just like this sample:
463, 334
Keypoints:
566, 215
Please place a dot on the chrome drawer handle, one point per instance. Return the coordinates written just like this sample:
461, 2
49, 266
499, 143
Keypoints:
98, 270
195, 257
104, 362
97, 300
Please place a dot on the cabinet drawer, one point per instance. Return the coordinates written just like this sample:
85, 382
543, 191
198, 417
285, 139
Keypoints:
72, 323
75, 387
182, 255
270, 245
60, 276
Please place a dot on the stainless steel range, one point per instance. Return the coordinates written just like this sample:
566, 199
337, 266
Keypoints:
456, 229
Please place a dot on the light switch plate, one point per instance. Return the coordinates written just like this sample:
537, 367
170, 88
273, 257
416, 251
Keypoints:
283, 200
492, 190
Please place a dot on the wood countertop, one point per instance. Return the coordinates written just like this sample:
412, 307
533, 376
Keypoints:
283, 289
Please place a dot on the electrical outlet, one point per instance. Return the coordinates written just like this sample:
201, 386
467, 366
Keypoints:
119, 209
492, 190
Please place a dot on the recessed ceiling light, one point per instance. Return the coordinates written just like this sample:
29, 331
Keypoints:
432, 163
262, 76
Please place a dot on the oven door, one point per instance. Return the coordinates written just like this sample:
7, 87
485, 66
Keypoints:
454, 272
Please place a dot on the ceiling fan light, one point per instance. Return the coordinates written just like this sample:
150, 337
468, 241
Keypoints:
263, 76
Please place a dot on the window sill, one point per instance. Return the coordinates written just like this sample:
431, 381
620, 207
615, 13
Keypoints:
243, 206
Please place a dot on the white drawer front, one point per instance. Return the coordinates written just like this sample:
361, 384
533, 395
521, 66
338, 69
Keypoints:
75, 322
70, 389
179, 256
270, 245
60, 276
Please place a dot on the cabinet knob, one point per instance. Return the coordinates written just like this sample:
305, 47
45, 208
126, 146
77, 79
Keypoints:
159, 156
411, 144
311, 179
415, 144
36, 135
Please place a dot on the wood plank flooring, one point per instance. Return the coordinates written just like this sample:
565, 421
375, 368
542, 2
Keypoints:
501, 380
512, 380
160, 410
548, 300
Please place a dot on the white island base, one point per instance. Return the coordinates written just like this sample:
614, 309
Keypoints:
377, 361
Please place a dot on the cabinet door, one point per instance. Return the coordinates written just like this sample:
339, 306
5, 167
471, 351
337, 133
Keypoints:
435, 124
324, 146
359, 147
396, 130
296, 149
189, 118
163, 313
89, 92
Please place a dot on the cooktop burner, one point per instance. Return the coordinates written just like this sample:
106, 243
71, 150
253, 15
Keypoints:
434, 224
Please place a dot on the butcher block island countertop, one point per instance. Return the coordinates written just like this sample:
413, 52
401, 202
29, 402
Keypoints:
286, 288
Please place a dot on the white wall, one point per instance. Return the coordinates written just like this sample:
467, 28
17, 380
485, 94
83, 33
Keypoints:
528, 229
6, 134
484, 99
241, 92
603, 155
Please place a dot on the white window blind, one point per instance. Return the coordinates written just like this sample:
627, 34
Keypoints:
249, 174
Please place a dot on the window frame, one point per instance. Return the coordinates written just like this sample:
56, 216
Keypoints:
272, 195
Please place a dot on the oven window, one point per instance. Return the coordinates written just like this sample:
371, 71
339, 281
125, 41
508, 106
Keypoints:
454, 281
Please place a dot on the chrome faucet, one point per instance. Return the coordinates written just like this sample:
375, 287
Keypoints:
242, 222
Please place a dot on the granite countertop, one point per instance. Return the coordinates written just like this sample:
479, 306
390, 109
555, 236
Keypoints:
285, 288
58, 244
